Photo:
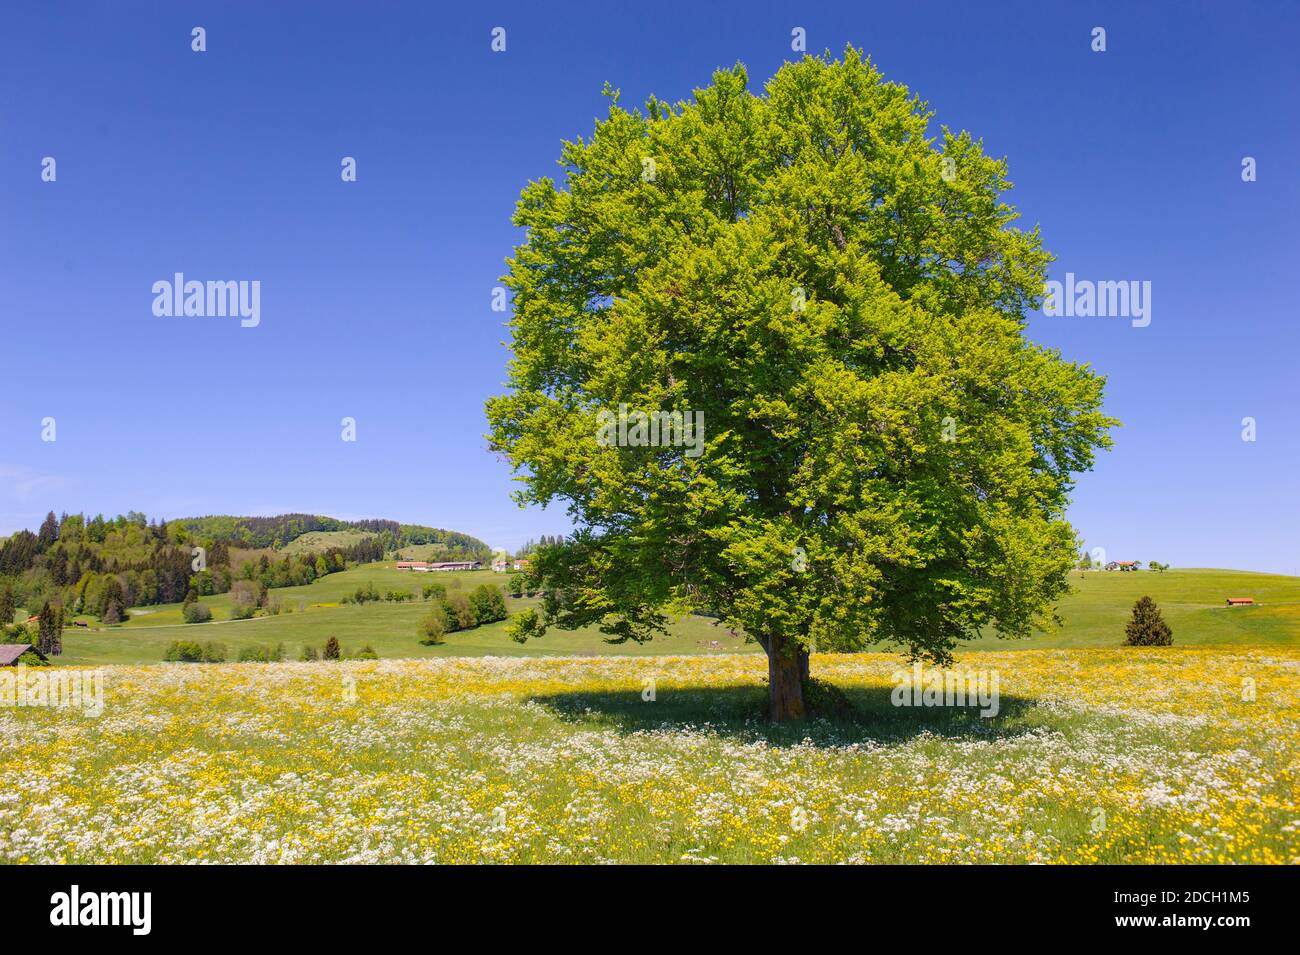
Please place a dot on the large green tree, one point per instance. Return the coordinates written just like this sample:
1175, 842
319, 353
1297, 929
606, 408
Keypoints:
885, 457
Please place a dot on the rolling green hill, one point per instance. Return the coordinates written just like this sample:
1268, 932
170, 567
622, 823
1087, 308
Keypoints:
313, 542
1192, 602
1094, 615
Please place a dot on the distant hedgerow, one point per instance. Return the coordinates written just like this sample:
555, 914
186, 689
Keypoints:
261, 653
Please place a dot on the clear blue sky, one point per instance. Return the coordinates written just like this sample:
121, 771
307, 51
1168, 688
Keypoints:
376, 294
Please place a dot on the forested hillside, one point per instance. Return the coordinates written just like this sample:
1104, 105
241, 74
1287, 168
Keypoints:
277, 531
102, 566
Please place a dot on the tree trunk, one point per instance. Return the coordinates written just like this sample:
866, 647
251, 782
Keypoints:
787, 669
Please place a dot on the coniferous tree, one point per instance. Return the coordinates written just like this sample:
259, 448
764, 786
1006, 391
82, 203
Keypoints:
19, 552
112, 594
8, 604
58, 566
1147, 627
331, 651
46, 624
56, 645
49, 531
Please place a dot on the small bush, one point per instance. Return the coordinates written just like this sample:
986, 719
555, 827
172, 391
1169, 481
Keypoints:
196, 612
30, 659
242, 611
243, 599
261, 653
459, 613
489, 604
367, 653
309, 654
826, 700
1147, 628
183, 651
363, 594
332, 650
433, 627
433, 589
214, 652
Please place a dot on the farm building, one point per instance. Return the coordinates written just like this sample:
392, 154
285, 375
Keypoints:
1241, 601
1122, 565
521, 564
10, 652
424, 565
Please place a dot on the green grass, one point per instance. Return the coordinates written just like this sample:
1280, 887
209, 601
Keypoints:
1093, 756
316, 541
389, 628
1192, 602
1094, 615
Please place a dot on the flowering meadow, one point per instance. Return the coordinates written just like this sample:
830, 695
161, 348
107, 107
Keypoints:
1168, 755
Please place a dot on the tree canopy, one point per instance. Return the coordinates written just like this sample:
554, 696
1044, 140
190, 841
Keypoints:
842, 300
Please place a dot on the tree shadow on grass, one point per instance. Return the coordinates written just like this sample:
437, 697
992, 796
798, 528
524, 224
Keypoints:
740, 712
